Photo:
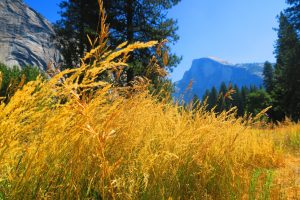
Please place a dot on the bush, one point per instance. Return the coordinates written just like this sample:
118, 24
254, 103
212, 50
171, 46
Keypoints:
257, 101
14, 78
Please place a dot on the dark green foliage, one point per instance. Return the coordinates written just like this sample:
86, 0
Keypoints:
244, 93
268, 74
284, 84
212, 99
206, 95
257, 101
223, 101
216, 98
78, 18
223, 88
12, 78
293, 13
253, 88
196, 102
237, 101
247, 100
129, 20
286, 93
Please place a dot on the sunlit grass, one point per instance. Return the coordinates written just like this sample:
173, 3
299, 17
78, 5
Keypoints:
124, 148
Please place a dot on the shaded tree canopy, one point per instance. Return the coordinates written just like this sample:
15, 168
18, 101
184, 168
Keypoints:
257, 101
286, 93
129, 20
293, 13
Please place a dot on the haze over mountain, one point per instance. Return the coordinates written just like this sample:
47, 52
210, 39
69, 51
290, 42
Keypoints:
208, 72
25, 36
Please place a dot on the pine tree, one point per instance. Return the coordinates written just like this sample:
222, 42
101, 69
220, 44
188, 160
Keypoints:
287, 72
205, 98
222, 104
253, 88
223, 88
196, 102
129, 20
206, 95
268, 74
293, 13
213, 98
237, 101
244, 93
71, 31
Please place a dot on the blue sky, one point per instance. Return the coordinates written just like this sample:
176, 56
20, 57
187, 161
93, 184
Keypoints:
237, 31
48, 8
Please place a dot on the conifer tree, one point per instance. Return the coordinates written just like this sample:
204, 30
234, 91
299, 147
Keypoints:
223, 88
253, 88
247, 100
196, 102
293, 13
244, 94
287, 72
213, 98
268, 76
206, 94
129, 20
237, 101
222, 104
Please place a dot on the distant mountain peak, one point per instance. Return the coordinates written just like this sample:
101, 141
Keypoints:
211, 71
224, 62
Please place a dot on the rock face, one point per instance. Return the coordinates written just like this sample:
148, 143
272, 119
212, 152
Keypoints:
208, 72
25, 36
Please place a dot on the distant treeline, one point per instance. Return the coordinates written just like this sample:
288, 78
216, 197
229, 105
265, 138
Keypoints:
246, 99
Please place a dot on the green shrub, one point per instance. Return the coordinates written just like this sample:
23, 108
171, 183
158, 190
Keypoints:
15, 77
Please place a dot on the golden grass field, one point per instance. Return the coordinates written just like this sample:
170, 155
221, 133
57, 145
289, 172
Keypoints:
75, 137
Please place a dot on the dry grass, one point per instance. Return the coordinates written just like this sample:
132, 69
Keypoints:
127, 148
75, 137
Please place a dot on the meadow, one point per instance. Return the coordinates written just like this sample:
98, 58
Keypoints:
75, 136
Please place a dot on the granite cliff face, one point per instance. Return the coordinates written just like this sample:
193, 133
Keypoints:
25, 36
208, 72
